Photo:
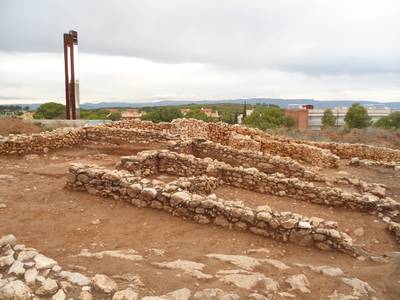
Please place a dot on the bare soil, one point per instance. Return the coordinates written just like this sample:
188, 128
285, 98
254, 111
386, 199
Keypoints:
58, 222
371, 136
17, 126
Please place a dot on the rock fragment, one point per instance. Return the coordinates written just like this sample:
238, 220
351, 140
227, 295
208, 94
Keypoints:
127, 294
44, 262
15, 290
104, 284
299, 282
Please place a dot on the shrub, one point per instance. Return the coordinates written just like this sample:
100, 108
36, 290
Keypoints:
268, 118
115, 116
162, 114
50, 110
328, 119
199, 115
357, 117
392, 121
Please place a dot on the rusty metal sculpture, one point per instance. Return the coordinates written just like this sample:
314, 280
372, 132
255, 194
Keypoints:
71, 80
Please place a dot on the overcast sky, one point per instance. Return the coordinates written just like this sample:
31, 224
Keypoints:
205, 49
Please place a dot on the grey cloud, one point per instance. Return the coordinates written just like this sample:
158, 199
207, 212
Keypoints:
305, 36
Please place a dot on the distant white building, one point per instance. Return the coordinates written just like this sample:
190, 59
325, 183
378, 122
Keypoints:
248, 113
374, 111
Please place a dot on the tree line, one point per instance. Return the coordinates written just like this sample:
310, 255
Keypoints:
263, 116
357, 117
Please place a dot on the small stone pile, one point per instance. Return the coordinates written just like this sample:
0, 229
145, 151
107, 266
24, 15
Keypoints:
266, 163
26, 274
264, 221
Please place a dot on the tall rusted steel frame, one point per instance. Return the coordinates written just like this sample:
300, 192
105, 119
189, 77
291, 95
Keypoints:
70, 39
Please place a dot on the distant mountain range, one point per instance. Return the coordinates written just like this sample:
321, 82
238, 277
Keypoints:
283, 103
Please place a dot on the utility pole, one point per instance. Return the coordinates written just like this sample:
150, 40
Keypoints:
71, 79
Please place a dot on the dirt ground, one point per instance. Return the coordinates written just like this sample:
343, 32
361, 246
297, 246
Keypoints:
371, 136
59, 223
17, 126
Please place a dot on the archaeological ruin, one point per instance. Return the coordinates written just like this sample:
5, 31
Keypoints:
212, 176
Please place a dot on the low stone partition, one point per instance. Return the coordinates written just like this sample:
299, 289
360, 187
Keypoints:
163, 161
110, 134
266, 163
303, 153
21, 144
142, 125
203, 185
263, 221
375, 163
348, 151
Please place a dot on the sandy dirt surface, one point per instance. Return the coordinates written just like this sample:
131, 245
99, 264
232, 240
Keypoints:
60, 223
16, 126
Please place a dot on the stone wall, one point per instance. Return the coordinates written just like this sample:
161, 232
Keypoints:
266, 163
348, 151
375, 163
316, 153
240, 137
110, 134
264, 221
143, 125
21, 144
235, 136
166, 162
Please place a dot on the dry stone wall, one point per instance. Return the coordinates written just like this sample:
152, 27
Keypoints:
110, 134
240, 137
375, 163
264, 221
21, 144
163, 161
143, 125
315, 153
263, 162
235, 136
348, 151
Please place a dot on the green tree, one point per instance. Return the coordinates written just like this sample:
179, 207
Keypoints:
50, 110
267, 118
162, 114
357, 117
328, 119
245, 110
94, 114
199, 115
392, 121
115, 116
